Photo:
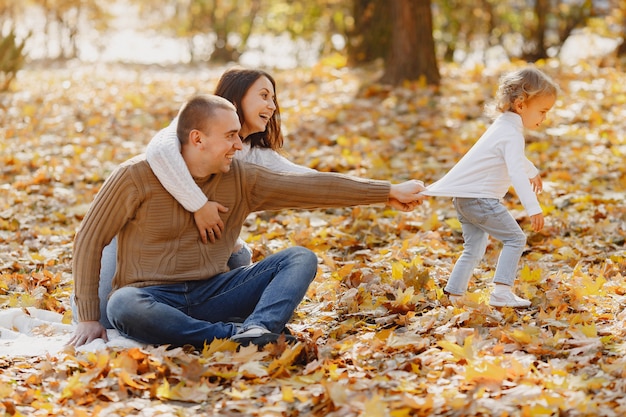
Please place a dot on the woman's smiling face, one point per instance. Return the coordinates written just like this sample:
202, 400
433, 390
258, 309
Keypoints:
257, 106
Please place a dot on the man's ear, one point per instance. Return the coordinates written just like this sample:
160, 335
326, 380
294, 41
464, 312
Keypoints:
195, 137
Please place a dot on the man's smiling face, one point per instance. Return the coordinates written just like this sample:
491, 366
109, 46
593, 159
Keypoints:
220, 142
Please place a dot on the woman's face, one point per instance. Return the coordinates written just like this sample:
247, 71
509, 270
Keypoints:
257, 107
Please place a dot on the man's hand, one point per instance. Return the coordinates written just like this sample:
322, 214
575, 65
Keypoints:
537, 184
536, 220
405, 196
209, 222
88, 331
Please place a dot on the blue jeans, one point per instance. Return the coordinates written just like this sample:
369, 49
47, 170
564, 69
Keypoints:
195, 312
480, 218
108, 264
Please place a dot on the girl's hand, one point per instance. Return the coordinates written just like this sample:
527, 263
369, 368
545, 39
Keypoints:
209, 222
537, 184
536, 221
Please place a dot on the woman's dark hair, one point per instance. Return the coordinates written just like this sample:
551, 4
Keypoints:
233, 86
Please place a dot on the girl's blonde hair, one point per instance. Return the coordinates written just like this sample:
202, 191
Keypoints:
523, 84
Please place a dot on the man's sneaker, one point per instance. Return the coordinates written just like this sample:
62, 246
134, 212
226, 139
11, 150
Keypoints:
508, 299
260, 337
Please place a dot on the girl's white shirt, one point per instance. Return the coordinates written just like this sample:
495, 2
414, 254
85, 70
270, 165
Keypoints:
492, 165
164, 156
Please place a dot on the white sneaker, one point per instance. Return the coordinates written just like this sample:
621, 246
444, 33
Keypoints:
252, 331
455, 300
508, 300
260, 337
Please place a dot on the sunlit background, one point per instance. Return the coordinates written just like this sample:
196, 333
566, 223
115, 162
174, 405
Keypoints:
286, 34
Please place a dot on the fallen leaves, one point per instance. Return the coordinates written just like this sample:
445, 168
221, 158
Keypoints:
377, 337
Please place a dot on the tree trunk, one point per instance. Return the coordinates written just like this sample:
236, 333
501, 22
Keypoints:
541, 11
412, 54
621, 51
371, 36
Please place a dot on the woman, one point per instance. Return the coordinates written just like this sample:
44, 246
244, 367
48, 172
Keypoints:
254, 94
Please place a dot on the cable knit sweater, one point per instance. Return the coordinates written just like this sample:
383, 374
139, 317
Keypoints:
157, 238
163, 155
492, 165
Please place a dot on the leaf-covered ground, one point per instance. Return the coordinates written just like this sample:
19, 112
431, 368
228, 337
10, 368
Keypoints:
377, 336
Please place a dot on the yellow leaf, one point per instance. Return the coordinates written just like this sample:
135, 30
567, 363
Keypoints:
402, 412
397, 270
533, 277
180, 392
375, 407
6, 389
465, 352
590, 286
454, 224
287, 393
485, 372
432, 223
565, 253
74, 386
526, 335
588, 330
126, 380
253, 369
521, 336
219, 345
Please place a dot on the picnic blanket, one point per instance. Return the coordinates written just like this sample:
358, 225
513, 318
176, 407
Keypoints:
34, 332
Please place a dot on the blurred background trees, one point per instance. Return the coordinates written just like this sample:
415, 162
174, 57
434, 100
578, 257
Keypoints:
407, 38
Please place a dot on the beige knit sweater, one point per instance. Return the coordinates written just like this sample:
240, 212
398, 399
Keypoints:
158, 242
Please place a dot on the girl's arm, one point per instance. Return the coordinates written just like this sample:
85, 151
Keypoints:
163, 155
517, 167
529, 167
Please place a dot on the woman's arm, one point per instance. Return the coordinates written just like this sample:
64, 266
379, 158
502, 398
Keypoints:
271, 159
163, 155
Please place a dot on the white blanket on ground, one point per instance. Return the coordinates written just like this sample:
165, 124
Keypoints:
34, 332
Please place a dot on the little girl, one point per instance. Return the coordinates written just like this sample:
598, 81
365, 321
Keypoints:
483, 176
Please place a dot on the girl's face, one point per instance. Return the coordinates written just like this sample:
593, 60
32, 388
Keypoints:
257, 106
533, 111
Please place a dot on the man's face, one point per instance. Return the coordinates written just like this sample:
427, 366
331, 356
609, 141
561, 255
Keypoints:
220, 142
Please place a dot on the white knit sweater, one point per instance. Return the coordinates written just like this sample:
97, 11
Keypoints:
492, 165
163, 155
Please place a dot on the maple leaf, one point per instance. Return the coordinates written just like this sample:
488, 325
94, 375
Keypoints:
180, 392
375, 347
485, 372
466, 352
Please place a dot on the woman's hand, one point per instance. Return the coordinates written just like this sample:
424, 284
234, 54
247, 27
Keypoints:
209, 222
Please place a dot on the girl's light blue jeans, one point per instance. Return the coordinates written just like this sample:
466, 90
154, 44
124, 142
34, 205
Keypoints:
195, 312
481, 218
242, 257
